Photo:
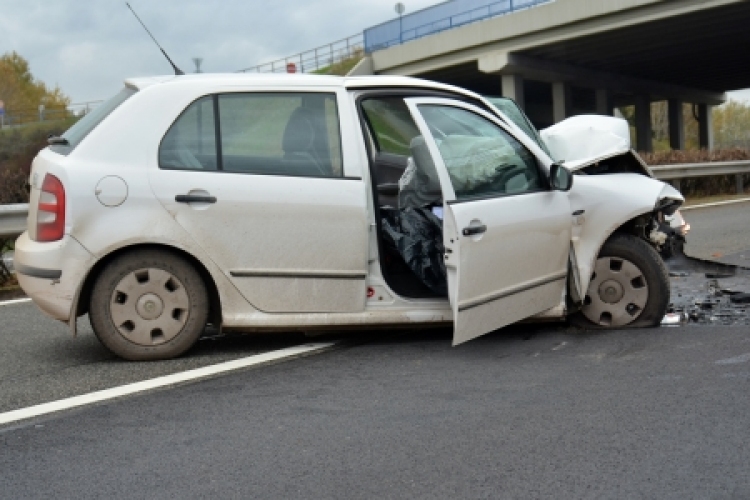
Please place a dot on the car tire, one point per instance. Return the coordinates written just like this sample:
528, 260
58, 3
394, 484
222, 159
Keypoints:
148, 305
629, 286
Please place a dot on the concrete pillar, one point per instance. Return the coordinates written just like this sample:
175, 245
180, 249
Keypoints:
676, 124
705, 126
561, 102
643, 140
604, 104
513, 88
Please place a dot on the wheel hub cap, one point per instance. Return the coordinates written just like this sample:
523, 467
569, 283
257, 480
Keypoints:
617, 294
611, 291
149, 306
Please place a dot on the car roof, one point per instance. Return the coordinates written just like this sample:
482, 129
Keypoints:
298, 79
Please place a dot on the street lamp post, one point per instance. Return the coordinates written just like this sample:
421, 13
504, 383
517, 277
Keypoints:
400, 8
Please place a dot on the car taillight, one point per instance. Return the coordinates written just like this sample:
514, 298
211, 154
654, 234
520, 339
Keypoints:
50, 217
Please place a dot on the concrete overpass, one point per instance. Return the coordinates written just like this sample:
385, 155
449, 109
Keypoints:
580, 56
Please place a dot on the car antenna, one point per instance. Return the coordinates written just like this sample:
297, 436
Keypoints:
177, 71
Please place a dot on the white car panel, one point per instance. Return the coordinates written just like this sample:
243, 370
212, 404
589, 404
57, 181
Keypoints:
581, 140
289, 244
52, 294
284, 252
517, 266
604, 209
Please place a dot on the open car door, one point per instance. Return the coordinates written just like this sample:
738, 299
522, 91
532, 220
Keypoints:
506, 232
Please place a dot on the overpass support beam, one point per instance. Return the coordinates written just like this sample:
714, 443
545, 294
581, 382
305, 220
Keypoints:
561, 102
676, 124
513, 88
604, 104
643, 123
705, 126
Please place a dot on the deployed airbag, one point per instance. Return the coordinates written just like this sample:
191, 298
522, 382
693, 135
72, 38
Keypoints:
417, 235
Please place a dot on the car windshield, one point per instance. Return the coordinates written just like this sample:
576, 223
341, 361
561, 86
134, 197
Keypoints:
85, 125
517, 116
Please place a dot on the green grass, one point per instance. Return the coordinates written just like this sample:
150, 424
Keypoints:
700, 200
341, 68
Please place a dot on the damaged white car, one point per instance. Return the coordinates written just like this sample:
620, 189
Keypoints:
298, 202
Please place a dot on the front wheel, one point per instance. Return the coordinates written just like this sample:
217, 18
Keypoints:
629, 286
149, 304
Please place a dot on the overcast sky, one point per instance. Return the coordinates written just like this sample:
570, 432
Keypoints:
88, 47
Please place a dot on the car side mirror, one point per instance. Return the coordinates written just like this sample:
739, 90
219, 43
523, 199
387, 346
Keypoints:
560, 178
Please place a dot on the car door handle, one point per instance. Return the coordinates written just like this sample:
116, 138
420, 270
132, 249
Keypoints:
471, 230
194, 198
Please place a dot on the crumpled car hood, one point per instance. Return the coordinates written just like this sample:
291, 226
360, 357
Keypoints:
582, 140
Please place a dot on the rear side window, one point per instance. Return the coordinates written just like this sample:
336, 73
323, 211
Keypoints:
294, 134
191, 142
85, 125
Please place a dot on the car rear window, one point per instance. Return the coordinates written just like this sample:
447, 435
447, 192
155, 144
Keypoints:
85, 125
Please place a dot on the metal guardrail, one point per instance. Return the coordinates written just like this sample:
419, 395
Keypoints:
684, 170
440, 17
13, 217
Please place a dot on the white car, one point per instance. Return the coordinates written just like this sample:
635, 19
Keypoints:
300, 202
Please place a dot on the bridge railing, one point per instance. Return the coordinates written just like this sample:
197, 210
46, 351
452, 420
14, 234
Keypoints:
20, 117
438, 18
313, 59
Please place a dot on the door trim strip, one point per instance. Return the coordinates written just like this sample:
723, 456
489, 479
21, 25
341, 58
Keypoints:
297, 273
544, 280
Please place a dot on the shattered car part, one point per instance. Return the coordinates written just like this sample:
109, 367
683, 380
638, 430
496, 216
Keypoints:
740, 298
674, 319
657, 237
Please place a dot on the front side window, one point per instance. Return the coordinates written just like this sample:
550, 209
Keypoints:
482, 159
294, 134
512, 111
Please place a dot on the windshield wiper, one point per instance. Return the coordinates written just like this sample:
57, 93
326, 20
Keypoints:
55, 140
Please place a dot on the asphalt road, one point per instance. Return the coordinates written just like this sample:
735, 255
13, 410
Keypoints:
41, 362
720, 233
536, 411
521, 413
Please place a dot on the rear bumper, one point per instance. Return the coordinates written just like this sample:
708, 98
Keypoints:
51, 273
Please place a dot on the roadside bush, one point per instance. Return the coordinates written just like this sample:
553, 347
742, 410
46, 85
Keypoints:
702, 186
18, 147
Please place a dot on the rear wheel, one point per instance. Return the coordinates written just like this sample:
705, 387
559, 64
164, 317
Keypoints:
629, 286
149, 304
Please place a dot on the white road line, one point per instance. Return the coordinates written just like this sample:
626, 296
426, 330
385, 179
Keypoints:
14, 301
714, 204
155, 383
743, 358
